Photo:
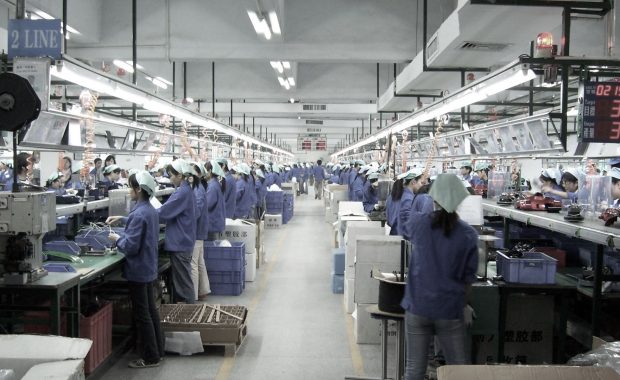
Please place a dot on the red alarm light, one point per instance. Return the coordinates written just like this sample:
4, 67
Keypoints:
544, 45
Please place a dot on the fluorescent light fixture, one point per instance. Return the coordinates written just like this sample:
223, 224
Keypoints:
274, 64
163, 80
287, 65
291, 100
275, 25
286, 85
503, 79
255, 22
81, 77
291, 81
281, 80
123, 65
43, 14
138, 66
129, 95
279, 67
265, 29
572, 112
157, 82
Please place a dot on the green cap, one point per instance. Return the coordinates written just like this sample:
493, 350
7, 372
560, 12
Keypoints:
448, 191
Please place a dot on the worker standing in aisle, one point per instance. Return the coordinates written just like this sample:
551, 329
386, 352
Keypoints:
231, 185
276, 175
319, 176
443, 266
139, 244
178, 213
261, 193
216, 208
200, 278
353, 171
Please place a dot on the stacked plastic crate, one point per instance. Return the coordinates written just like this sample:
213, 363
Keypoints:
287, 207
273, 202
226, 268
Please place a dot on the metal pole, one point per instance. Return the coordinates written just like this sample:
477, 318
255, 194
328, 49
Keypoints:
134, 49
565, 69
362, 128
231, 113
20, 10
377, 79
253, 132
462, 109
370, 124
213, 89
531, 85
64, 23
184, 80
174, 82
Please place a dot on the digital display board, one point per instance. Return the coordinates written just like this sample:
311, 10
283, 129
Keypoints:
600, 113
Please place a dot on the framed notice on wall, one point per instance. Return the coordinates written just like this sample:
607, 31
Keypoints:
600, 112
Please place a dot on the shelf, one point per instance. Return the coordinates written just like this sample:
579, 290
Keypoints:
593, 231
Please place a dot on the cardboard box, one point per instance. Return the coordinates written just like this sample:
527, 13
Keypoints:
336, 197
380, 252
250, 266
338, 261
365, 329
355, 229
524, 372
273, 221
329, 216
350, 208
349, 289
65, 370
241, 231
335, 187
367, 287
22, 352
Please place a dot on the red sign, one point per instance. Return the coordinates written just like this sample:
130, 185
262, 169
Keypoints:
601, 112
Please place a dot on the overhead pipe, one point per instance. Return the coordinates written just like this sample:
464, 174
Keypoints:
134, 49
213, 89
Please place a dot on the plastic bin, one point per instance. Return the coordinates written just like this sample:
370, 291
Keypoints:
224, 259
98, 328
227, 289
230, 277
532, 268
337, 283
338, 261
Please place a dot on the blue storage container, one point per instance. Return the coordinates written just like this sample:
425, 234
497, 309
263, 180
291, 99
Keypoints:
274, 201
338, 261
532, 268
226, 289
228, 277
222, 259
337, 283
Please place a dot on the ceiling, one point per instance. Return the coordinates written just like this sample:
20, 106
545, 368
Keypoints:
342, 54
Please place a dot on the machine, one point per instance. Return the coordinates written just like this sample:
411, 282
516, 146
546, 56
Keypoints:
24, 219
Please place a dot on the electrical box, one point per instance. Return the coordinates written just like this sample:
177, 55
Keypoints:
29, 213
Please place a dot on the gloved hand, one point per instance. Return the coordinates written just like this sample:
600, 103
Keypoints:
114, 236
469, 315
113, 219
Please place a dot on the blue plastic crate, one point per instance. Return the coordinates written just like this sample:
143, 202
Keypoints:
338, 261
532, 268
337, 283
228, 277
66, 246
226, 289
213, 251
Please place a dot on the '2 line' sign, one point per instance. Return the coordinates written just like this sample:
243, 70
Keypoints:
34, 38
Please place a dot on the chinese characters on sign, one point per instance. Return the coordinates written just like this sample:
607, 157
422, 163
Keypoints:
601, 112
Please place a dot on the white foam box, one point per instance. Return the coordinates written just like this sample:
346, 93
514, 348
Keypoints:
351, 208
241, 231
349, 289
335, 187
63, 370
337, 197
365, 329
372, 251
355, 229
250, 266
273, 221
23, 352
329, 216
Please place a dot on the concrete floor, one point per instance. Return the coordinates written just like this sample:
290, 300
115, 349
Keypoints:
297, 329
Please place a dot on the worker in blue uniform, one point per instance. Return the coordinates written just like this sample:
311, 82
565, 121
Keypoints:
319, 175
358, 185
574, 187
443, 266
355, 166
179, 215
261, 193
551, 179
200, 279
371, 197
412, 182
481, 177
277, 180
111, 174
139, 244
53, 184
244, 192
6, 175
229, 195
392, 205
335, 176
216, 207
466, 170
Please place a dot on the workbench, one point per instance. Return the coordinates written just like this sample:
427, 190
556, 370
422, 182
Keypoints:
593, 231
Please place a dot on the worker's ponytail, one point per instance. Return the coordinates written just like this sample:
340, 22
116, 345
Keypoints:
444, 220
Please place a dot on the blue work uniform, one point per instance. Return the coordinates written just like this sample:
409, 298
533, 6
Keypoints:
252, 189
555, 196
467, 177
350, 180
295, 173
60, 192
215, 207
422, 203
392, 210
261, 192
139, 243
358, 189
6, 178
406, 205
319, 173
439, 270
277, 180
370, 197
230, 195
202, 214
244, 198
342, 178
270, 179
179, 214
